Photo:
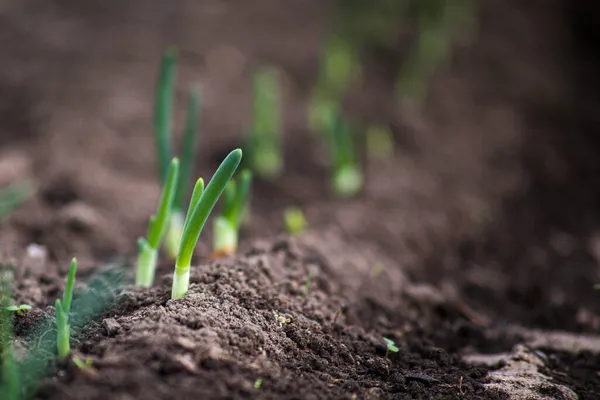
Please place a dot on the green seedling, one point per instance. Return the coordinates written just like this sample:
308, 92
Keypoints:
347, 175
163, 125
265, 135
227, 223
391, 347
339, 68
257, 383
146, 262
63, 308
20, 309
294, 221
11, 381
306, 285
439, 22
13, 196
377, 270
79, 363
380, 142
200, 207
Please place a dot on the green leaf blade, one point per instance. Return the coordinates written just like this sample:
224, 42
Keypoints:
163, 110
158, 228
204, 206
68, 293
188, 147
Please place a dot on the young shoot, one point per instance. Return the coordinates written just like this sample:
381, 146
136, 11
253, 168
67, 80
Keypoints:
13, 196
306, 285
265, 135
10, 389
347, 175
146, 262
163, 125
200, 207
227, 223
380, 142
391, 347
294, 221
339, 69
19, 310
63, 308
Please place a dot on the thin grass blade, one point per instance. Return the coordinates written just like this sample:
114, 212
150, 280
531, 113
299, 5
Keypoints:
68, 293
166, 203
196, 195
188, 148
163, 110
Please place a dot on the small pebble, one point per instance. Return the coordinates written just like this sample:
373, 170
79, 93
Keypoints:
112, 326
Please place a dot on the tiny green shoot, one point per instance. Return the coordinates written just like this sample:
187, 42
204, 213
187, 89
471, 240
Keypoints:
163, 126
146, 262
11, 381
306, 285
265, 135
19, 310
391, 347
63, 309
13, 196
339, 68
201, 204
380, 142
257, 383
227, 223
79, 363
294, 221
347, 175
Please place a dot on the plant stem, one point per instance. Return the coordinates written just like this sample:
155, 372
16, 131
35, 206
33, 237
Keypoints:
225, 236
163, 108
174, 232
146, 265
196, 218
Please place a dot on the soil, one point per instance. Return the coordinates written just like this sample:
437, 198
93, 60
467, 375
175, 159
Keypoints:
475, 248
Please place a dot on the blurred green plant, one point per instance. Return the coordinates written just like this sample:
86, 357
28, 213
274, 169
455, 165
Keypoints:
163, 126
13, 196
159, 223
294, 221
265, 132
19, 310
359, 25
227, 223
10, 388
347, 179
380, 142
390, 347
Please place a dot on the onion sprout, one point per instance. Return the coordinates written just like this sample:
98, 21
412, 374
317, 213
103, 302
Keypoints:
200, 207
62, 313
146, 263
227, 224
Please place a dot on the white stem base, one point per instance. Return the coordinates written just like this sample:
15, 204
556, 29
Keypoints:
181, 283
146, 267
174, 233
225, 237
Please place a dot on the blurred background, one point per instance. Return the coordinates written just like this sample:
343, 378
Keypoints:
490, 107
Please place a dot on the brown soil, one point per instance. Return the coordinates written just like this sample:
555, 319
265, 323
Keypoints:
485, 222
